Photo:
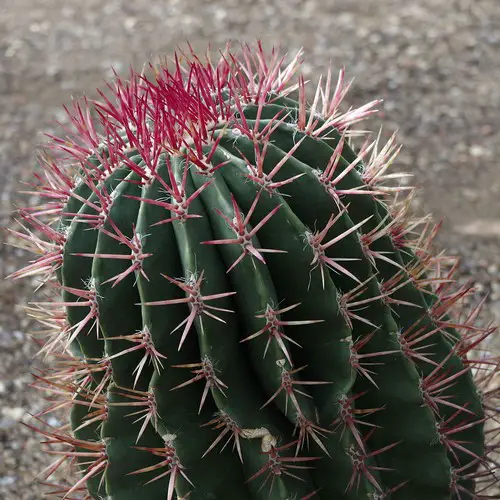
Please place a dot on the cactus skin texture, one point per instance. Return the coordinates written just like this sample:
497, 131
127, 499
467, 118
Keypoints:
241, 305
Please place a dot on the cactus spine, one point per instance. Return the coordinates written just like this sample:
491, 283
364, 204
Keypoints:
242, 306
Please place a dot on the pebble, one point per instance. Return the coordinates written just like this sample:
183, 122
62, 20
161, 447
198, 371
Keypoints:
14, 413
7, 480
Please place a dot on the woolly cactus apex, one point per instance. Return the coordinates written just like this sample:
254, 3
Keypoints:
239, 304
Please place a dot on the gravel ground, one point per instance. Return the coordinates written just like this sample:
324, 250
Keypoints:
434, 63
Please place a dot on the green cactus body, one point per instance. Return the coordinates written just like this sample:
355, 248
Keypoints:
247, 314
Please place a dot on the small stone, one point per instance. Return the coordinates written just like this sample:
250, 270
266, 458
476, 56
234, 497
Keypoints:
477, 151
480, 227
15, 413
18, 335
53, 422
130, 23
470, 194
7, 423
7, 480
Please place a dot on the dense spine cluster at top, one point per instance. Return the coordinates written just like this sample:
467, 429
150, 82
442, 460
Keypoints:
239, 306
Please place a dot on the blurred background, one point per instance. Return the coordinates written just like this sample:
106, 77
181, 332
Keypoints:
435, 63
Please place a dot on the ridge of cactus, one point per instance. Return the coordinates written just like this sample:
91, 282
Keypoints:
237, 302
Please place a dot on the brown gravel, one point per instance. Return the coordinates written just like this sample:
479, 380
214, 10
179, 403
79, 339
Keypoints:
434, 63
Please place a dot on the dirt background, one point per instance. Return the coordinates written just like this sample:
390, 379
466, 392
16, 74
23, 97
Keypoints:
435, 63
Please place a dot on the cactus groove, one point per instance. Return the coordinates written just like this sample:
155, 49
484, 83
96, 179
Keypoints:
242, 305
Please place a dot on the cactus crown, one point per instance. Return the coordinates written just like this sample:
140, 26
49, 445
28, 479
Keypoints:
242, 306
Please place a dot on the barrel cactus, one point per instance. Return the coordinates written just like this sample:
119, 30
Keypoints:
239, 304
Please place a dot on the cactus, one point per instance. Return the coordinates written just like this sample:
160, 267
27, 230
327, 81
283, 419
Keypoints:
241, 304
